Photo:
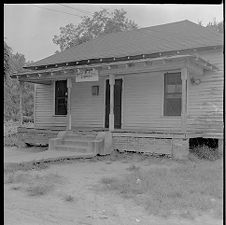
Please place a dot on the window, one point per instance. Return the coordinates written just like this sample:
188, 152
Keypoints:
172, 94
95, 90
61, 97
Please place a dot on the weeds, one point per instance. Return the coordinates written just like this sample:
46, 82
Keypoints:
133, 168
34, 183
68, 198
184, 190
205, 152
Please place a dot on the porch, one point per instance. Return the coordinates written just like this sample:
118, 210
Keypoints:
145, 127
172, 143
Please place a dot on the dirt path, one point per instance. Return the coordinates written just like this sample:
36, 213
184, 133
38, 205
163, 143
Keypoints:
90, 206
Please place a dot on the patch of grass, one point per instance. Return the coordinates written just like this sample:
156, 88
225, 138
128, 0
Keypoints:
37, 189
13, 167
35, 184
68, 198
184, 190
16, 187
15, 177
205, 152
133, 168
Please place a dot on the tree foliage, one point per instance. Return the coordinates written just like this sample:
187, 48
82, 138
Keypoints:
100, 23
7, 56
14, 63
214, 25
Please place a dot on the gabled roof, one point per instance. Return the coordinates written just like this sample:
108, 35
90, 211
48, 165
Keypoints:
162, 38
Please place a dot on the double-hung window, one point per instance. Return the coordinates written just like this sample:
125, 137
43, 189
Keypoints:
61, 97
172, 94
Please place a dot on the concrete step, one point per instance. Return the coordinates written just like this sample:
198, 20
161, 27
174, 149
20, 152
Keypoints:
81, 143
79, 149
79, 138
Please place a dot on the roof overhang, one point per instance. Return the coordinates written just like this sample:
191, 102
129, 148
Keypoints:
195, 64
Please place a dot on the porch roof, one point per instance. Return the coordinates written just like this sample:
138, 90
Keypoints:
198, 61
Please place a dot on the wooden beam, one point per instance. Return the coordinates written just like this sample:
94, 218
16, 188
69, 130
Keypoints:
111, 114
21, 86
69, 86
184, 77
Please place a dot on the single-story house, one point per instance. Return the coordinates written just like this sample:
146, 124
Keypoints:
152, 89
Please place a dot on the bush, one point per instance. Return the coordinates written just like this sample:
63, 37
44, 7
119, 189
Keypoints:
205, 152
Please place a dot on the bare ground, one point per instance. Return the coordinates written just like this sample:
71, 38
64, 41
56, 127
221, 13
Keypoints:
88, 204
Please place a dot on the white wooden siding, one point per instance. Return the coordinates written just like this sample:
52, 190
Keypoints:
87, 110
143, 103
143, 96
205, 101
44, 108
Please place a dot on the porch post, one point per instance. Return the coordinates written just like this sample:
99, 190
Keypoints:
21, 85
111, 114
69, 86
184, 77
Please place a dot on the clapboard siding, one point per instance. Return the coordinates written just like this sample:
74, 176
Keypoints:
205, 101
87, 110
143, 103
44, 108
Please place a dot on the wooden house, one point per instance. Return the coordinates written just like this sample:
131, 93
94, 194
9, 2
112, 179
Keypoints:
152, 90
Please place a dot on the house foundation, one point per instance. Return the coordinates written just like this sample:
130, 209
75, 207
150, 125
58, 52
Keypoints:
180, 148
176, 147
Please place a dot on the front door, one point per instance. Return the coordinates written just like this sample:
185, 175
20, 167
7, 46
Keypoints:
117, 103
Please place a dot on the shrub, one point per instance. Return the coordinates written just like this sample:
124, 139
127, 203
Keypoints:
68, 198
205, 152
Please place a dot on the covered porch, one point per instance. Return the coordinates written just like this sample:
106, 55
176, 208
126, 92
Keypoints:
189, 66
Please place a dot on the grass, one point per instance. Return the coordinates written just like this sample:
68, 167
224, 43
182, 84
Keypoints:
10, 168
68, 198
10, 132
185, 190
32, 182
133, 168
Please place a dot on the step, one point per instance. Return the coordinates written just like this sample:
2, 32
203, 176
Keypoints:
70, 148
79, 138
81, 143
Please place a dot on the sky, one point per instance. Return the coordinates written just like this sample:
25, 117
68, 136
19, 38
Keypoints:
29, 28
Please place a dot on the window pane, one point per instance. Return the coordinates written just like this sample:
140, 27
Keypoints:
173, 94
172, 107
61, 97
179, 88
171, 88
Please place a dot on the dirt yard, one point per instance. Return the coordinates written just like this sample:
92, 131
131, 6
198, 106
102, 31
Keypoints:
74, 193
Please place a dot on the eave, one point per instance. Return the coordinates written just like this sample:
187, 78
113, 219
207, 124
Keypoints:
195, 64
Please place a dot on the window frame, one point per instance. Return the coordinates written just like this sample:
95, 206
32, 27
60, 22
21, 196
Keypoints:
165, 115
54, 99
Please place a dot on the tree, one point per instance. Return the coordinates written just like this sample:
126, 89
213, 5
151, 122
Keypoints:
214, 25
100, 23
14, 63
217, 26
7, 56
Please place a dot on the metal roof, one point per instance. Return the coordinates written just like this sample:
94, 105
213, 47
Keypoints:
161, 38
